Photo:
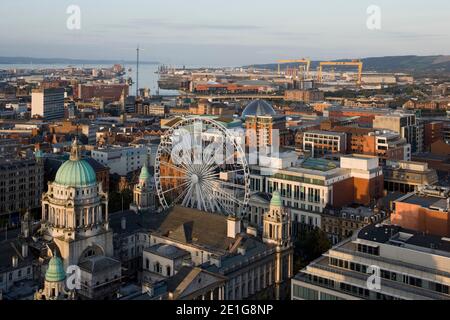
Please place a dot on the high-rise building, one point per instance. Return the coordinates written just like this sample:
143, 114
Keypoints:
21, 184
48, 103
381, 262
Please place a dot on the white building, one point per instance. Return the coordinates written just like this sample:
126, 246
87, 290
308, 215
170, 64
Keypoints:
122, 160
382, 262
48, 103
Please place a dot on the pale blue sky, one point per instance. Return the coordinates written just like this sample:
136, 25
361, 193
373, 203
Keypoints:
227, 32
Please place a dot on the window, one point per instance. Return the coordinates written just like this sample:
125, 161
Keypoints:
305, 293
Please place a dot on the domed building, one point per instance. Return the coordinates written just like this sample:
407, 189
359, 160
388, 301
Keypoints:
277, 232
264, 128
144, 192
258, 108
75, 215
54, 285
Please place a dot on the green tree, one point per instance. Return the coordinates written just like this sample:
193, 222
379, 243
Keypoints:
309, 246
115, 200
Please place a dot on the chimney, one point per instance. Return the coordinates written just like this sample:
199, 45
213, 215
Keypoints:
25, 250
123, 223
15, 261
233, 227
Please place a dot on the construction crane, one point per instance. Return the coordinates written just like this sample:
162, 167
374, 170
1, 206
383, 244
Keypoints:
357, 63
305, 61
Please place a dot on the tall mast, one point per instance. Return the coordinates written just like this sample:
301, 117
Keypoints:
137, 72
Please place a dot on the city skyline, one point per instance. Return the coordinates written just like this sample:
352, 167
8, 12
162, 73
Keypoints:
229, 37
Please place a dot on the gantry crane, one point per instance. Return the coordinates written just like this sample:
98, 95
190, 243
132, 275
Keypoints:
357, 63
305, 61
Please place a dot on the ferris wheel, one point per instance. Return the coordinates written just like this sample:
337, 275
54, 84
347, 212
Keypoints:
200, 164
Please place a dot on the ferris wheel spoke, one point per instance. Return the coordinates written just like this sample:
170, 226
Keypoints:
164, 163
199, 184
175, 188
225, 195
174, 177
182, 194
212, 200
229, 184
188, 196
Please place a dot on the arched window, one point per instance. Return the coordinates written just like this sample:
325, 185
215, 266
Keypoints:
168, 270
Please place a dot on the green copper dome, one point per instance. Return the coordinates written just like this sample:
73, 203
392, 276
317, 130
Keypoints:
276, 199
55, 271
75, 172
145, 175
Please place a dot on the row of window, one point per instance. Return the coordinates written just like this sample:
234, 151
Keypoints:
390, 275
19, 274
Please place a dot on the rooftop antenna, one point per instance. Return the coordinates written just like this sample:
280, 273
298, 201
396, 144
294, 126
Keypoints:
137, 71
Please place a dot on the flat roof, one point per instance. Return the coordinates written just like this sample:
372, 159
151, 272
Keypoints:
395, 235
427, 202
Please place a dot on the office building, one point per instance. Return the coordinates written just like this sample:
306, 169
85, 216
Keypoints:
21, 184
410, 266
404, 124
319, 143
408, 176
48, 104
315, 184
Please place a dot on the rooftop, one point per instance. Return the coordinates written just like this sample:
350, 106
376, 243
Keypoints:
398, 236
167, 251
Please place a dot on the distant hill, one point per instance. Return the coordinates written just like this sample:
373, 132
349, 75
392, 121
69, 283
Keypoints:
49, 61
409, 64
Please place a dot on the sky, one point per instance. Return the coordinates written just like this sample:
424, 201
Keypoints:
223, 33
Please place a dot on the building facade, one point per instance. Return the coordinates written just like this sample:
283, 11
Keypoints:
21, 184
48, 103
408, 264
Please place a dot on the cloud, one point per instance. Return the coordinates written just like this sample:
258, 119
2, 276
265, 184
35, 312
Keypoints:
166, 24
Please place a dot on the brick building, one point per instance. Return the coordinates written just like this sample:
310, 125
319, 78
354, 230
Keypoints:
426, 210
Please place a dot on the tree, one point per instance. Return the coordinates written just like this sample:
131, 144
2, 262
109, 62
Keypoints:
309, 246
116, 198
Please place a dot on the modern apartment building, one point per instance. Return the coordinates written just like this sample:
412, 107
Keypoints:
405, 124
48, 103
408, 264
319, 143
264, 131
386, 144
21, 185
390, 146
